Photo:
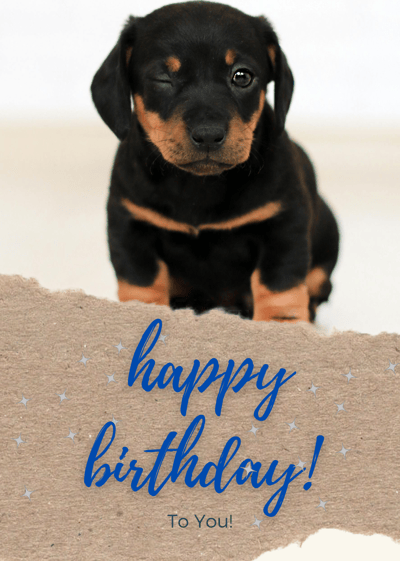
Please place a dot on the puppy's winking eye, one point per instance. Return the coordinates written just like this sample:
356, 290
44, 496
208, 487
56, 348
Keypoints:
242, 78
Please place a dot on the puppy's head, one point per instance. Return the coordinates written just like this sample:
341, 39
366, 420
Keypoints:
197, 73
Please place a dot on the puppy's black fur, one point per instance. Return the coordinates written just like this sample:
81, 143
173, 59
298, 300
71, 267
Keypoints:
211, 204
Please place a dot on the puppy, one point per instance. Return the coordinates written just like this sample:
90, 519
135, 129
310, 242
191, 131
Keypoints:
211, 204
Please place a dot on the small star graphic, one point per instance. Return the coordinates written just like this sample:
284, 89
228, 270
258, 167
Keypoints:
111, 378
349, 376
62, 396
119, 346
314, 389
391, 367
301, 464
253, 430
248, 469
343, 451
24, 401
292, 425
322, 504
84, 360
256, 522
162, 338
18, 440
339, 407
71, 435
114, 420
27, 493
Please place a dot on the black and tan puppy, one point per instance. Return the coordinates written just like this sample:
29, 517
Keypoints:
211, 204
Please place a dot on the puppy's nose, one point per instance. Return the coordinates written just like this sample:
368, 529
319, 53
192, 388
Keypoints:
207, 137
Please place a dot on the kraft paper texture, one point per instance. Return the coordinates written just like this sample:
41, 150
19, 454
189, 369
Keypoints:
48, 512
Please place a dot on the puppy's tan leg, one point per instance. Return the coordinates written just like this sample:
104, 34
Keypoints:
315, 281
156, 293
319, 288
290, 305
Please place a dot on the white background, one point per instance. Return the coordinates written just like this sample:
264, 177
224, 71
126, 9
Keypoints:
345, 56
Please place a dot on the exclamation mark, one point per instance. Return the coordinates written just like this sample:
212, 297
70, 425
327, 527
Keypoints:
230, 520
318, 444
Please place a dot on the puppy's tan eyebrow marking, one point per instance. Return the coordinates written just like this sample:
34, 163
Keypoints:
230, 57
173, 63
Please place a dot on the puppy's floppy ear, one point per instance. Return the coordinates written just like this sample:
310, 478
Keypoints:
110, 87
284, 85
282, 75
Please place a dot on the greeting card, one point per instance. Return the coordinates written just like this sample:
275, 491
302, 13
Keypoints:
199, 343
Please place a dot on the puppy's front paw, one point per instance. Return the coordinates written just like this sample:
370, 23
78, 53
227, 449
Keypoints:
288, 306
156, 293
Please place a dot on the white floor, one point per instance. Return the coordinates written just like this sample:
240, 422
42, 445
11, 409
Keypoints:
54, 183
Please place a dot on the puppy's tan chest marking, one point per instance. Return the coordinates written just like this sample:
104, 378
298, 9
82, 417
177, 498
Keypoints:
260, 214
158, 219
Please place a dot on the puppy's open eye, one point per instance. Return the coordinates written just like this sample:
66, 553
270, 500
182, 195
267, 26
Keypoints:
242, 78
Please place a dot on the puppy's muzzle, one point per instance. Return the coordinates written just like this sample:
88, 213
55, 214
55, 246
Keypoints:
208, 138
